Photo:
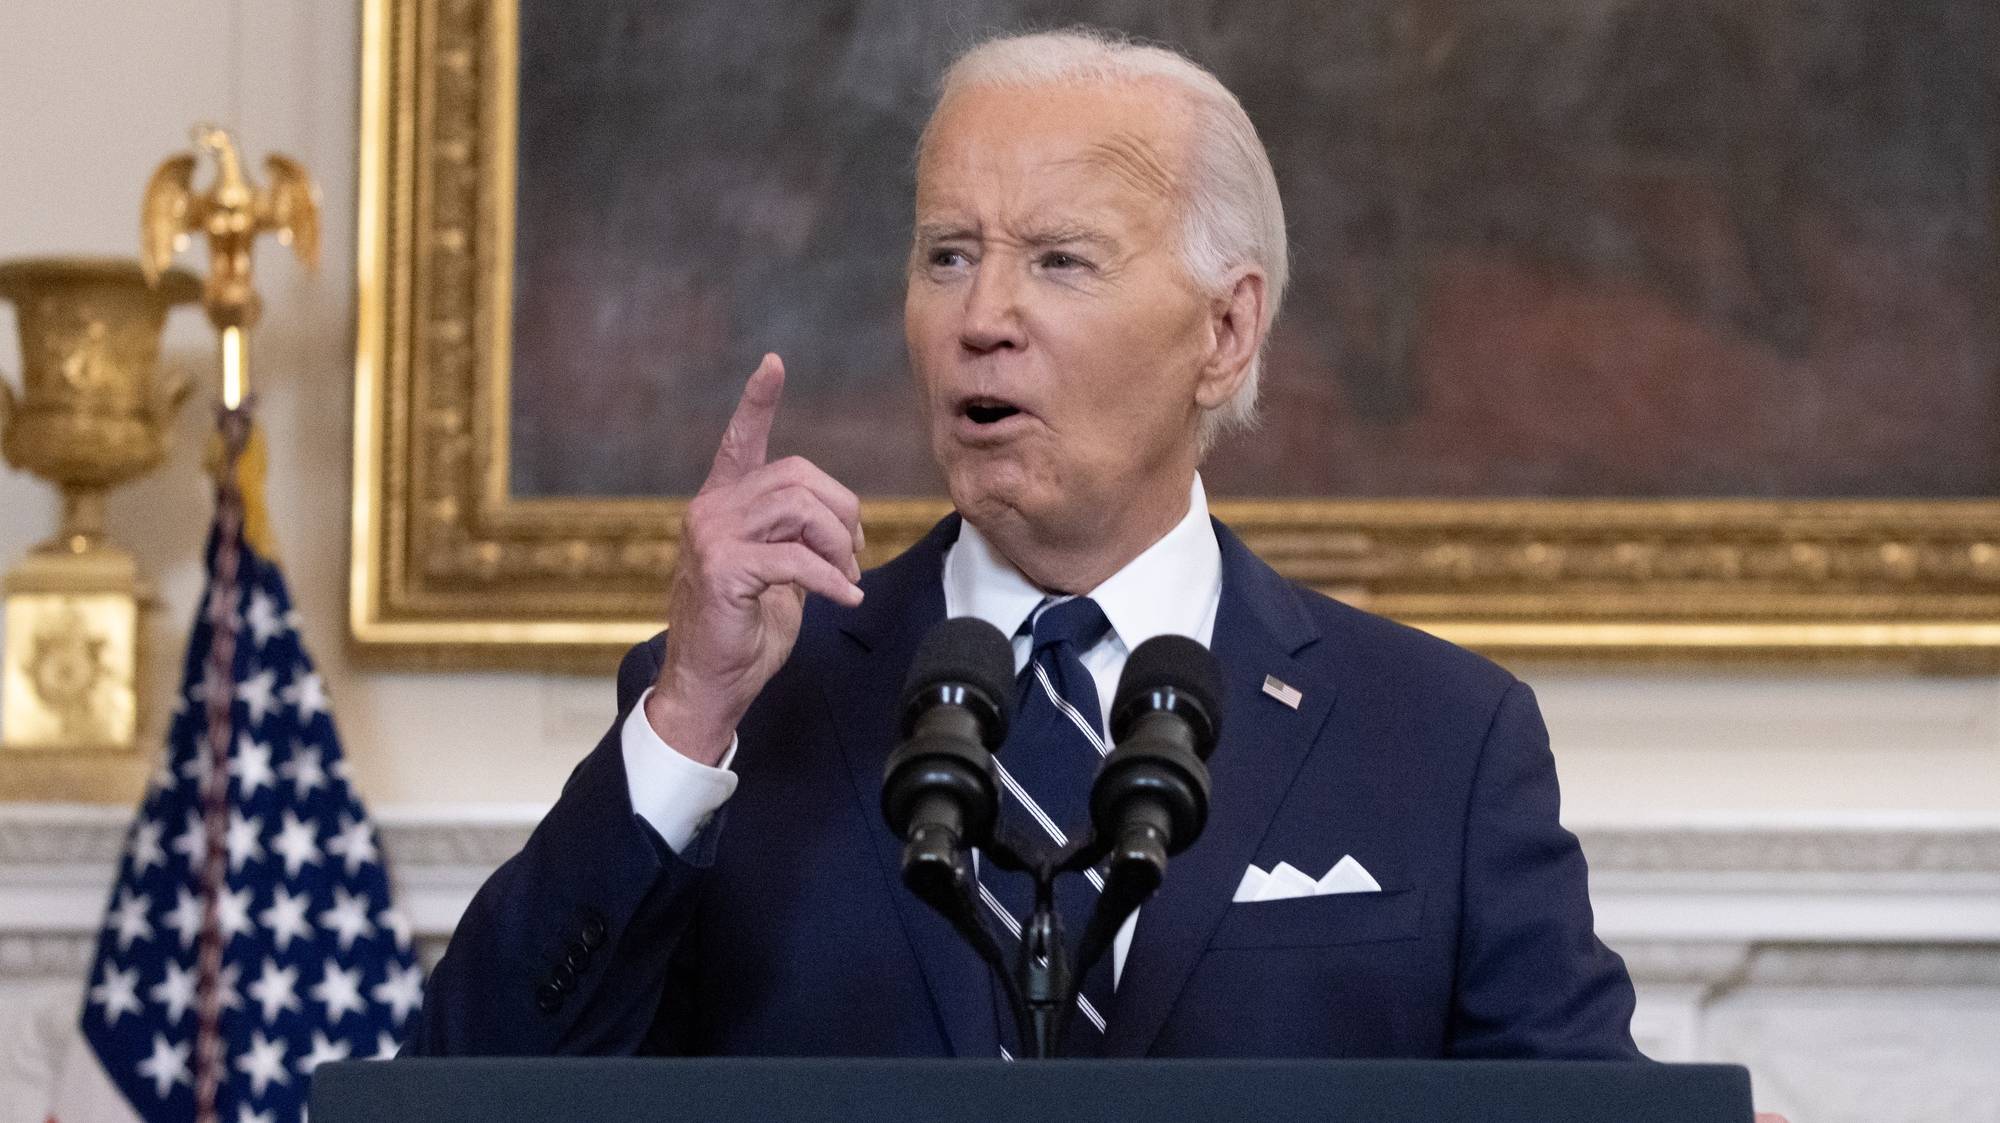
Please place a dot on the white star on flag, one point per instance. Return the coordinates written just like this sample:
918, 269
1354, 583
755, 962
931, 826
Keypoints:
339, 989
258, 693
322, 1052
146, 852
355, 842
250, 765
241, 840
167, 1066
232, 912
296, 843
274, 989
175, 992
245, 1115
286, 918
264, 1064
162, 777
263, 617
118, 994
348, 917
192, 842
185, 917
195, 769
303, 770
129, 917
396, 924
402, 991
308, 696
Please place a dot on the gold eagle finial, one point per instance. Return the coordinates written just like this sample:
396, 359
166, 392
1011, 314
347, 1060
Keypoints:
231, 213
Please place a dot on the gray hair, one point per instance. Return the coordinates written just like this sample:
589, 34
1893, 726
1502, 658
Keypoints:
1231, 213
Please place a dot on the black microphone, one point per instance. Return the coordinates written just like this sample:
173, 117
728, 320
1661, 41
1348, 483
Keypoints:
939, 793
1151, 795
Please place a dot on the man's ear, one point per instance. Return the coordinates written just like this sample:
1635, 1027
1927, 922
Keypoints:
1236, 322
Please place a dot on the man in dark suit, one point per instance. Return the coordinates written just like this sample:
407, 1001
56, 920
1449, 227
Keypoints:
1099, 254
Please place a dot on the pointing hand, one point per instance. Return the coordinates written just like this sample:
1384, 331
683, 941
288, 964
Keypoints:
757, 538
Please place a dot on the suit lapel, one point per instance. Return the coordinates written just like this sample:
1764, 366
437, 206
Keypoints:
878, 640
1260, 629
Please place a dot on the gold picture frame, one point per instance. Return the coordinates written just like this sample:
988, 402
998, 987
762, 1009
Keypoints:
449, 569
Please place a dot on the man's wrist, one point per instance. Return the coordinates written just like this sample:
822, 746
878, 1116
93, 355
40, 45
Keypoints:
674, 793
698, 737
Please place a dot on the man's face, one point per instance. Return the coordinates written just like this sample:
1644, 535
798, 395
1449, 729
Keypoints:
1063, 354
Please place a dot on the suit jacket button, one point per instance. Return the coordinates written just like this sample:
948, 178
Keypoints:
578, 957
592, 932
562, 977
548, 997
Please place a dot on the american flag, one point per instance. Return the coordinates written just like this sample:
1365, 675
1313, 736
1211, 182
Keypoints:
249, 937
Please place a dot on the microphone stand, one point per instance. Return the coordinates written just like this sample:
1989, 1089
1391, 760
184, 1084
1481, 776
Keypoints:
1134, 873
1042, 970
1152, 790
1042, 986
939, 872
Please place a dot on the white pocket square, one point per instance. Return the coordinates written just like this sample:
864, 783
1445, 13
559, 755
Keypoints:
1287, 880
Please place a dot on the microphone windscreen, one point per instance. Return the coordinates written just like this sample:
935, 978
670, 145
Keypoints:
1175, 662
968, 651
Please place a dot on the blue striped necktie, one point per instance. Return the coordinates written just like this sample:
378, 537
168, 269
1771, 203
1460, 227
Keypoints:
1046, 767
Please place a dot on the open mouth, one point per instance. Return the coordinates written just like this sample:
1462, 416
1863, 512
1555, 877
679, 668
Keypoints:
989, 411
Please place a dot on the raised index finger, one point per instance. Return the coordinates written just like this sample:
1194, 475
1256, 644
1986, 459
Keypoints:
745, 442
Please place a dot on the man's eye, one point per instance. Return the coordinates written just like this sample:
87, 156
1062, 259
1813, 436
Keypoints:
946, 258
1059, 260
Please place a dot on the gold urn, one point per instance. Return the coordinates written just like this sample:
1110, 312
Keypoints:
92, 413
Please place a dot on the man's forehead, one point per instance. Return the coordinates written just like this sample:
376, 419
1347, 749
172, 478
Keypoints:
1134, 158
1123, 130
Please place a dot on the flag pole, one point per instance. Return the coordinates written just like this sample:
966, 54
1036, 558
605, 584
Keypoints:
219, 699
250, 935
231, 214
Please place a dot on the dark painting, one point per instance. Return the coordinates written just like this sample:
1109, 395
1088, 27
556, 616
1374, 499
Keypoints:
1597, 248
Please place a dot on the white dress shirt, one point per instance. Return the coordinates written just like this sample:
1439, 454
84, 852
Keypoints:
1172, 588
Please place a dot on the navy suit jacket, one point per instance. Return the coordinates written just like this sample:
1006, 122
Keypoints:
784, 929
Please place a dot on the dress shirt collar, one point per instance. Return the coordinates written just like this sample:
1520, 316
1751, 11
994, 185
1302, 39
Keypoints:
1169, 589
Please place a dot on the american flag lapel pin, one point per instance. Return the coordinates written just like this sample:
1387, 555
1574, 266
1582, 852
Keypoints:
1283, 691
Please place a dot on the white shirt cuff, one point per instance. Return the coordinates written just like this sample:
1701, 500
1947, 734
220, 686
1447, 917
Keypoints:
672, 792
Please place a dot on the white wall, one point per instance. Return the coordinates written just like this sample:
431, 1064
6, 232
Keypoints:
99, 90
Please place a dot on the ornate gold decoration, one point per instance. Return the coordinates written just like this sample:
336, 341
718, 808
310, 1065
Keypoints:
92, 414
449, 569
231, 214
71, 670
66, 667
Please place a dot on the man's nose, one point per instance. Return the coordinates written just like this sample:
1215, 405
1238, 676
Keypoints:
992, 320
